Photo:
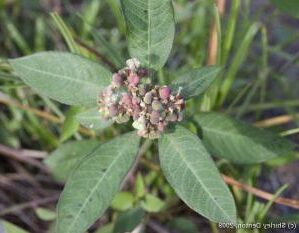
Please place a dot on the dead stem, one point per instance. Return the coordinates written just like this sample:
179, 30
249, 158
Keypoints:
278, 120
257, 192
213, 42
42, 114
18, 154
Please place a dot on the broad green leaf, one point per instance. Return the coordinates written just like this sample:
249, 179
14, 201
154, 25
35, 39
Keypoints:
70, 124
65, 158
192, 173
92, 119
150, 25
196, 81
92, 186
7, 227
45, 214
65, 77
123, 201
152, 203
291, 7
239, 142
127, 221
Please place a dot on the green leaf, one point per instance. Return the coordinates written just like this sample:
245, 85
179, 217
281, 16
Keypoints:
65, 77
152, 203
196, 81
66, 33
123, 201
127, 222
71, 124
92, 119
45, 214
192, 173
65, 158
291, 7
92, 186
239, 142
139, 186
150, 25
106, 228
7, 227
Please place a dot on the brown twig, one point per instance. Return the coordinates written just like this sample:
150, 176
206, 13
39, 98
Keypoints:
213, 42
31, 204
42, 114
257, 192
278, 120
18, 154
262, 194
97, 53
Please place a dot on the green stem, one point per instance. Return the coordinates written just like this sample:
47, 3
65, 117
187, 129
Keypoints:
228, 39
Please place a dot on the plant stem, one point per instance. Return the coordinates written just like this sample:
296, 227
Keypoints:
289, 132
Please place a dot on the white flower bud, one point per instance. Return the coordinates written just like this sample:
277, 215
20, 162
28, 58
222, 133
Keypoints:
139, 123
133, 64
122, 118
148, 98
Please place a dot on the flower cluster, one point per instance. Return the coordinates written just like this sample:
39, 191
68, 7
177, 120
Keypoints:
131, 94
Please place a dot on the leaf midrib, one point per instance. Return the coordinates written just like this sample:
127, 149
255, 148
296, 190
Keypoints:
149, 35
205, 188
59, 76
94, 190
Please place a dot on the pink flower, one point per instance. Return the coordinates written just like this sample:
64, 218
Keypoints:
154, 118
113, 111
133, 80
152, 107
164, 92
127, 99
117, 80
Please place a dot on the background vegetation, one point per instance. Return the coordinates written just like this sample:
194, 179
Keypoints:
254, 40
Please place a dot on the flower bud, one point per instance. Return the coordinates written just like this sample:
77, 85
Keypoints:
113, 110
122, 118
142, 90
139, 123
126, 99
136, 114
157, 106
164, 92
172, 117
148, 98
133, 63
117, 80
154, 117
133, 80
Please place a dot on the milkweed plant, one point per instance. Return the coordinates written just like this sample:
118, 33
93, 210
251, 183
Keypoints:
154, 112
